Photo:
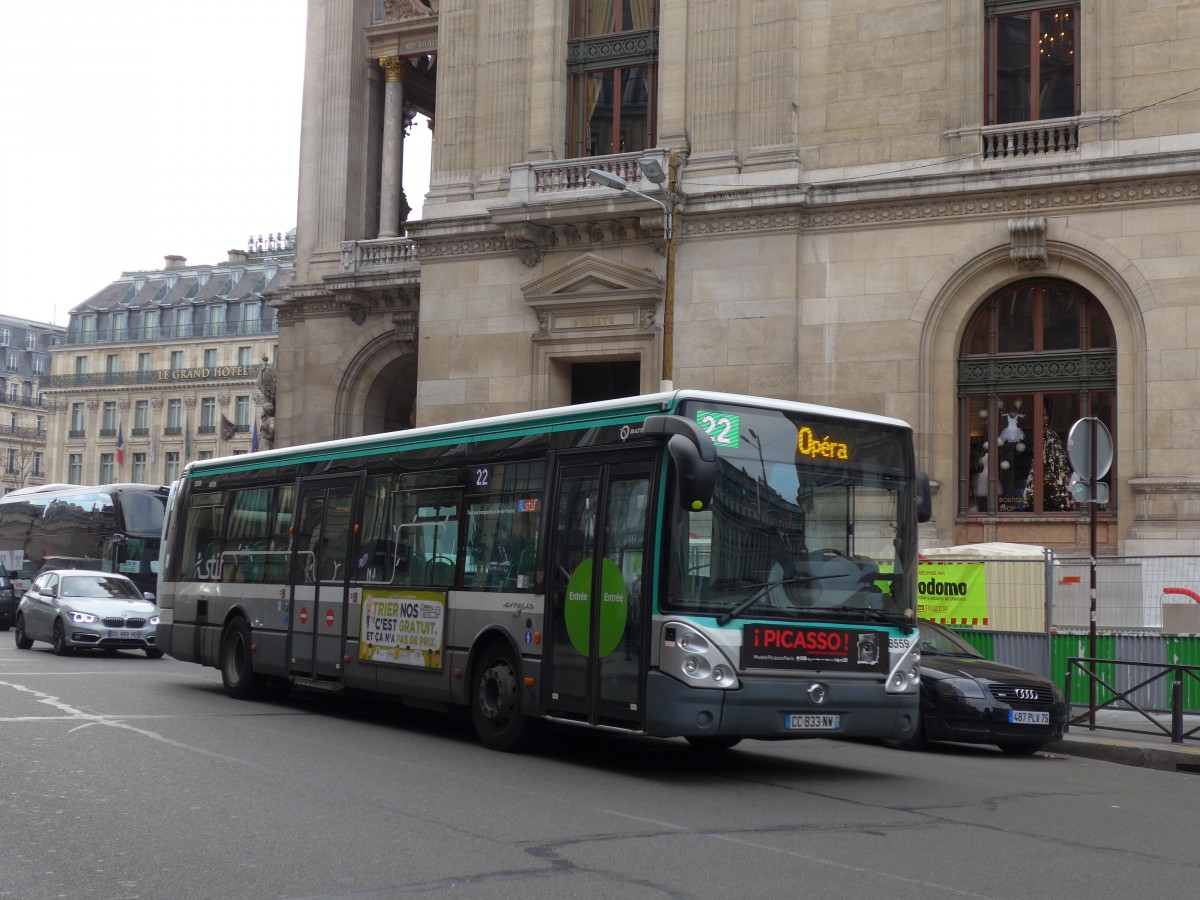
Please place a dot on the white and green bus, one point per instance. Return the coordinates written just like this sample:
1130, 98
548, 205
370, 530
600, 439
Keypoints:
688, 564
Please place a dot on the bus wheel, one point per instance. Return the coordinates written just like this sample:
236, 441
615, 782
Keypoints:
24, 642
713, 742
496, 700
237, 662
59, 641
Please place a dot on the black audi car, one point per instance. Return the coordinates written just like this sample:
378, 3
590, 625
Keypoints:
967, 698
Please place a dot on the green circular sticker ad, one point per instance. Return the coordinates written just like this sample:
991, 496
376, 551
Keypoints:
614, 608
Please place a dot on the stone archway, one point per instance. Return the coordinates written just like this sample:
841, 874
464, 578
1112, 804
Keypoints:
378, 389
987, 265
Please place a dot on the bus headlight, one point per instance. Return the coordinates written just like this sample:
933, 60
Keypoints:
690, 657
905, 674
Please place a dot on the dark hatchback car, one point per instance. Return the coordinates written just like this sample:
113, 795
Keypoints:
8, 603
967, 698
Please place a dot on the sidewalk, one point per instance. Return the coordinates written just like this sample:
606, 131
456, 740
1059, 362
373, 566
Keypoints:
1148, 747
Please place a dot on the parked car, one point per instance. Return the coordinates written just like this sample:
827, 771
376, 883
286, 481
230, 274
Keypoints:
8, 602
967, 698
73, 608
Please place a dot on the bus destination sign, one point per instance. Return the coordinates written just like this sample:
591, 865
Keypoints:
799, 647
817, 446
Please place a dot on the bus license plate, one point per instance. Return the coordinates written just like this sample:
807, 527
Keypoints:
810, 722
1028, 717
124, 634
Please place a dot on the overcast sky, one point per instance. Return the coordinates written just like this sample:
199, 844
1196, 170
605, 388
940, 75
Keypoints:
134, 129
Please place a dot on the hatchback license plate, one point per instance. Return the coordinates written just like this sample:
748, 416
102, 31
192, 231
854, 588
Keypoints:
124, 634
810, 722
1028, 717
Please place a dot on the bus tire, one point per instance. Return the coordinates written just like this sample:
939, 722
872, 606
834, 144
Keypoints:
496, 699
237, 662
23, 641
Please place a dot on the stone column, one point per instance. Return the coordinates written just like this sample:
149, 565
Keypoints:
775, 75
453, 171
391, 185
712, 83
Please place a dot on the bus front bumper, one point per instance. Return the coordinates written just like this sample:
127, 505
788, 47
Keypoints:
777, 710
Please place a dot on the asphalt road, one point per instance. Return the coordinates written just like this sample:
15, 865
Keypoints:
125, 777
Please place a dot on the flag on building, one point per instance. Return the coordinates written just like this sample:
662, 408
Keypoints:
228, 429
254, 438
187, 440
120, 443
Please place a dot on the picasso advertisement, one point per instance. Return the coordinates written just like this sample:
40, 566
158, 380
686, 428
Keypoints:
403, 628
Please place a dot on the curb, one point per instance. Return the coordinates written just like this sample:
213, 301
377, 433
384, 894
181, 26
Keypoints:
1169, 758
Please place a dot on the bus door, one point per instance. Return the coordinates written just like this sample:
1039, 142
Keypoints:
598, 561
322, 544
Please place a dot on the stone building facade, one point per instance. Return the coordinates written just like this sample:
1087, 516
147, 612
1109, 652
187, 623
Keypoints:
981, 216
165, 366
26, 347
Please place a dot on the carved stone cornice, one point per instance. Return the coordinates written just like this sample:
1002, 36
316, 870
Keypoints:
530, 241
1039, 200
350, 297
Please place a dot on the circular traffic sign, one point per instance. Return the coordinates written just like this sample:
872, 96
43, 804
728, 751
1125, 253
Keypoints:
329, 618
1079, 448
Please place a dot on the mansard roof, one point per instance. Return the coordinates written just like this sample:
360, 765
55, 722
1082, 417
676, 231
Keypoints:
190, 286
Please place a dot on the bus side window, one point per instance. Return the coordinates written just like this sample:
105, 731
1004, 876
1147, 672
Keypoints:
377, 561
200, 558
502, 537
426, 528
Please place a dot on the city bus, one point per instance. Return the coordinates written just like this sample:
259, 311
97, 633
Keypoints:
687, 564
109, 527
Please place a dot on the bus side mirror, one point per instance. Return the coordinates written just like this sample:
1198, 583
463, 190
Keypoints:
694, 456
924, 498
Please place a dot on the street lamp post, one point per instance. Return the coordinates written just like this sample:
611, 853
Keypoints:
667, 183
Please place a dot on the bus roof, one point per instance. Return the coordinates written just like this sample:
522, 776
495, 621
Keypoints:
562, 418
58, 490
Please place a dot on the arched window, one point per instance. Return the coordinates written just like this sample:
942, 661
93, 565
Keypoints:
1035, 358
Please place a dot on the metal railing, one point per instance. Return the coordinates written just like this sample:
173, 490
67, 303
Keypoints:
1088, 666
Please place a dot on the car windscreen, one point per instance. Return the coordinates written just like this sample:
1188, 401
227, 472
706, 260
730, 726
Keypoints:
99, 587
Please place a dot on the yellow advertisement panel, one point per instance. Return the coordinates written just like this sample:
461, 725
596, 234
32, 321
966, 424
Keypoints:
403, 628
951, 593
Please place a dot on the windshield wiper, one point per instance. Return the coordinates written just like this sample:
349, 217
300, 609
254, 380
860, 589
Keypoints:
870, 612
763, 588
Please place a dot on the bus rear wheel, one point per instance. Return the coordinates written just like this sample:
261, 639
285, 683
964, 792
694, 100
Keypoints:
237, 662
496, 700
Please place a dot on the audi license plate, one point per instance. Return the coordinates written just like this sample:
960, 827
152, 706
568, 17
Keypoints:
811, 722
1028, 717
124, 634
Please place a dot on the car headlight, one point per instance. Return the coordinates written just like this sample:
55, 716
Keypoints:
154, 620
82, 618
961, 687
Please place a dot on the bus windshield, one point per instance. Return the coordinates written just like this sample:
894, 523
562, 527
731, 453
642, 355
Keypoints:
806, 521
